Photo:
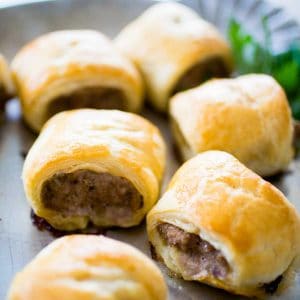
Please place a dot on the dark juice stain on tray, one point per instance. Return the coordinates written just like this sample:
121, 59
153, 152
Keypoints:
43, 225
271, 287
177, 154
278, 176
296, 130
24, 153
153, 252
297, 137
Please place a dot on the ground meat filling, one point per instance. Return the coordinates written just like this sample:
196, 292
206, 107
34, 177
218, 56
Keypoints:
90, 97
213, 67
88, 193
271, 287
196, 256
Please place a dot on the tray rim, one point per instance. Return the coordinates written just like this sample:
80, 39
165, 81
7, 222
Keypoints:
7, 4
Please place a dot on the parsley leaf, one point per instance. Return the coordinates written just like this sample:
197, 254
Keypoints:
254, 57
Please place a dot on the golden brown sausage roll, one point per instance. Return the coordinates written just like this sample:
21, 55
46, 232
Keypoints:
6, 84
248, 117
86, 267
74, 69
175, 50
98, 166
221, 224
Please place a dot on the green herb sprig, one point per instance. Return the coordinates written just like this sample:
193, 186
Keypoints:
254, 57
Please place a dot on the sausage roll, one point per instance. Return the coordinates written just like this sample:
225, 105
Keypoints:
98, 166
175, 50
74, 69
87, 267
6, 84
248, 117
221, 224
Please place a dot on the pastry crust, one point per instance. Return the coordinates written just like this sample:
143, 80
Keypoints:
165, 42
248, 117
63, 62
86, 267
7, 89
250, 221
104, 141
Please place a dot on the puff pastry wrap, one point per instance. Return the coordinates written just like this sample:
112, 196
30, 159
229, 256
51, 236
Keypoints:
61, 63
104, 141
86, 267
247, 219
165, 42
7, 89
248, 117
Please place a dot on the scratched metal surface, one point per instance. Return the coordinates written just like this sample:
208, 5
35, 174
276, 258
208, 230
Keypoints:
20, 241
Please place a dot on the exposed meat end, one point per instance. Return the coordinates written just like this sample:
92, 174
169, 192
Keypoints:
88, 193
213, 67
196, 256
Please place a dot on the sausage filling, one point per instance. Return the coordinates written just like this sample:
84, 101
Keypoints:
96, 195
196, 256
90, 97
213, 67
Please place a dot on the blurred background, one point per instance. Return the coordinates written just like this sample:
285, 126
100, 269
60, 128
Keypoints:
292, 5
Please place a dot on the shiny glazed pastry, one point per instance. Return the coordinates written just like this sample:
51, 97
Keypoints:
74, 69
86, 267
221, 224
6, 84
248, 117
175, 50
97, 166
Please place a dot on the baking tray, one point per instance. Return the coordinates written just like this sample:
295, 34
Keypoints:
20, 241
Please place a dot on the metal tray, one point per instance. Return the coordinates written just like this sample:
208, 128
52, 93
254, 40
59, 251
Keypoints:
20, 241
